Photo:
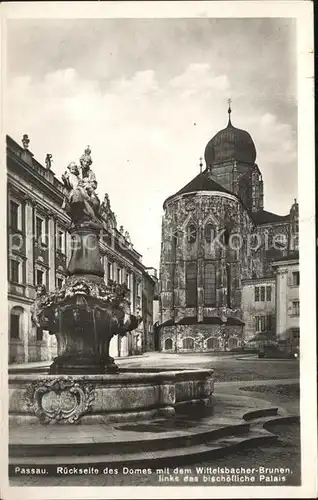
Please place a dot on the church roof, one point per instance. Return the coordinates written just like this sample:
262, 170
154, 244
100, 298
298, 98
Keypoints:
231, 143
264, 217
202, 182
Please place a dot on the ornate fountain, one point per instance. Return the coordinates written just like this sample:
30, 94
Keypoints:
85, 313
84, 384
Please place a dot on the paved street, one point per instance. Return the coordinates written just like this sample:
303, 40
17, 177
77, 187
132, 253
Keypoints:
273, 380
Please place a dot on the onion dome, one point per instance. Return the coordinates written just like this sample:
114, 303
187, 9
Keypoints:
230, 144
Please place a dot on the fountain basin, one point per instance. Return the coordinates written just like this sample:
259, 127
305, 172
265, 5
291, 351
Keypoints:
90, 399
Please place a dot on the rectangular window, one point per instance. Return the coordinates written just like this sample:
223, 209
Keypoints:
15, 271
256, 294
39, 334
295, 308
268, 323
39, 277
261, 323
295, 335
60, 241
296, 278
14, 215
59, 282
127, 280
268, 293
191, 284
109, 271
39, 229
119, 275
209, 284
262, 294
14, 326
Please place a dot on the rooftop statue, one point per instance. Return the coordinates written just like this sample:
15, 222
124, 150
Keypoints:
81, 201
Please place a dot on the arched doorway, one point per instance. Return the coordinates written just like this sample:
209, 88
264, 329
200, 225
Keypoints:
168, 344
16, 334
188, 343
232, 343
212, 343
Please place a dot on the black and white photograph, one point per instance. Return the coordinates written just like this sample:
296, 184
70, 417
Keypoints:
158, 275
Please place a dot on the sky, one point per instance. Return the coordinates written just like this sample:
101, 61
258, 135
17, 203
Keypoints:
147, 95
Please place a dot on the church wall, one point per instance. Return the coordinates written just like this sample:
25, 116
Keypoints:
198, 210
224, 339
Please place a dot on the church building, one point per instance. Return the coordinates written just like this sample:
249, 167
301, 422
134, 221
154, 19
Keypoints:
219, 244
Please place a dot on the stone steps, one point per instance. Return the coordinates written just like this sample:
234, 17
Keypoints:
167, 457
206, 440
93, 440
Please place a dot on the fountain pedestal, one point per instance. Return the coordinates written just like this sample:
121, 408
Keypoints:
85, 312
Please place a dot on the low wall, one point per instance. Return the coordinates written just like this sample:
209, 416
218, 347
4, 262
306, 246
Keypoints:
104, 398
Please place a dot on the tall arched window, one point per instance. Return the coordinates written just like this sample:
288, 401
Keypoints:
191, 284
229, 284
191, 233
15, 322
209, 284
209, 232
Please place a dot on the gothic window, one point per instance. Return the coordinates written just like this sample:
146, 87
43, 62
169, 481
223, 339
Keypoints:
229, 284
209, 284
168, 344
209, 233
191, 284
188, 343
191, 233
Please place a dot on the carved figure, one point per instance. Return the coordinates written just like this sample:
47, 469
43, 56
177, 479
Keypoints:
81, 201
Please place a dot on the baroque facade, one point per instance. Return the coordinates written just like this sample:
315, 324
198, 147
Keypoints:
217, 281
39, 250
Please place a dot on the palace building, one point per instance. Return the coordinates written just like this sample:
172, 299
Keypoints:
39, 250
220, 251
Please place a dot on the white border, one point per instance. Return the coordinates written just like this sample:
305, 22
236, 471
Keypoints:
303, 12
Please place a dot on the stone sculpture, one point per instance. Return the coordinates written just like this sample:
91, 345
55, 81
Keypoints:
85, 312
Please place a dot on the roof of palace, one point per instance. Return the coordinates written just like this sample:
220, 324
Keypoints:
265, 217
